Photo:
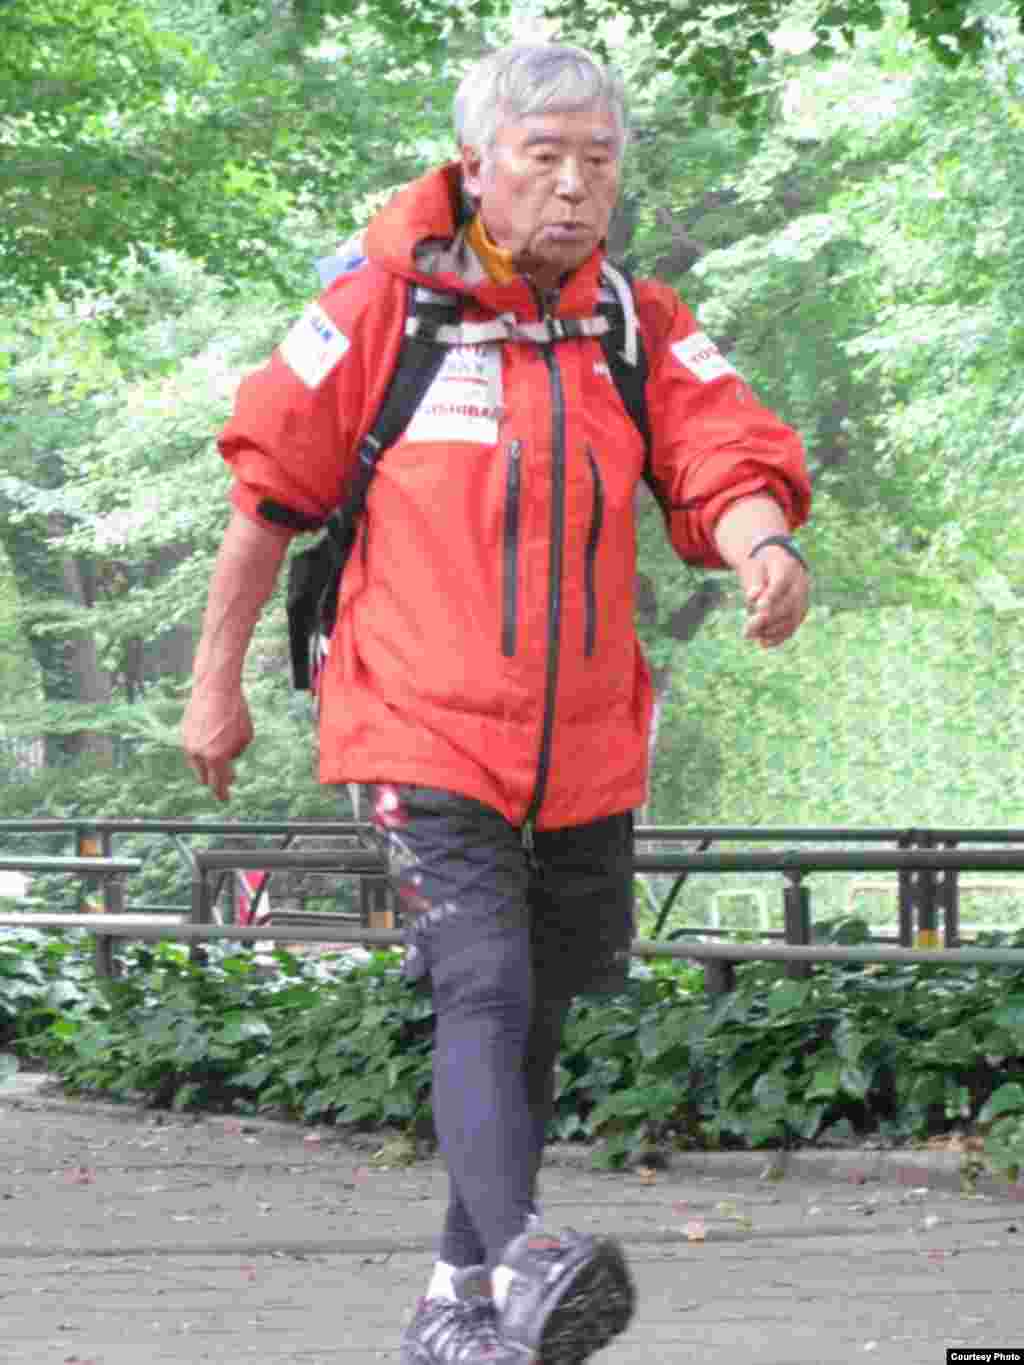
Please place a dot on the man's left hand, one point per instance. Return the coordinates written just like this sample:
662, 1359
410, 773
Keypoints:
777, 589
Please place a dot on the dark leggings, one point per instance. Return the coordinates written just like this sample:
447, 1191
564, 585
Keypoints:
503, 947
488, 1104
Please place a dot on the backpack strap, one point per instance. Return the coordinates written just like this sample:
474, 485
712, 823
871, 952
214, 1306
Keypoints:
419, 360
505, 327
626, 357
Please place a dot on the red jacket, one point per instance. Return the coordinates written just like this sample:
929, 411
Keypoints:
485, 639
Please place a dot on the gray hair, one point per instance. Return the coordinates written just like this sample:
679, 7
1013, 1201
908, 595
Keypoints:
533, 78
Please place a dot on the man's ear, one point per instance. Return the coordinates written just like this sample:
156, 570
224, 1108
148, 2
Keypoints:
472, 166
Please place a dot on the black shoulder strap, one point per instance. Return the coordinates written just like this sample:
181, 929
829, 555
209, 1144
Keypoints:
419, 359
628, 364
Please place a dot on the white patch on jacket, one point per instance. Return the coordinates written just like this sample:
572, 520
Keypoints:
700, 355
464, 401
313, 347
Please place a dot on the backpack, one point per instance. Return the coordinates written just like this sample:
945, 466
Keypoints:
433, 323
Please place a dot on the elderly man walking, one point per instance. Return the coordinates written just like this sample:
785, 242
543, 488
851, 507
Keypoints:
484, 678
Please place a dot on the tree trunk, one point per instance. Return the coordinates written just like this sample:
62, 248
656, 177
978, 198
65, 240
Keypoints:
90, 682
168, 653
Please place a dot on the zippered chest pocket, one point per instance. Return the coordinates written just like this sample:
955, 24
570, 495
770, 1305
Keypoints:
510, 548
590, 556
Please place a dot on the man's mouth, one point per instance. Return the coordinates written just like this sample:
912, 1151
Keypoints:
567, 231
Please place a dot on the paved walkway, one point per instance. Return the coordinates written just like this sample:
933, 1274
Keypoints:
129, 1238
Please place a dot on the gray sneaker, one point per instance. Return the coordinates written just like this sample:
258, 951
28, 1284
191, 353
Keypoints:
568, 1297
461, 1333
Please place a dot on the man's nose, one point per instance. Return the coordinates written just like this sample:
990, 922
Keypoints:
570, 179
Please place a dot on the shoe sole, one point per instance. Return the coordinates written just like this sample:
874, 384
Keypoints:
587, 1310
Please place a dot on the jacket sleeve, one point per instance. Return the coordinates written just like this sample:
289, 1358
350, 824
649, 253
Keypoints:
713, 442
292, 439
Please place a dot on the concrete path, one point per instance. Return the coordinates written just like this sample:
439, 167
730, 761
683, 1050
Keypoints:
128, 1238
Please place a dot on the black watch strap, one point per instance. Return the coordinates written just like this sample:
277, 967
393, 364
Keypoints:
787, 543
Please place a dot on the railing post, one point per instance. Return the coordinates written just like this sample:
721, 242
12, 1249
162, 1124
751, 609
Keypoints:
927, 935
113, 892
719, 977
202, 910
797, 912
376, 908
906, 907
948, 892
88, 844
113, 904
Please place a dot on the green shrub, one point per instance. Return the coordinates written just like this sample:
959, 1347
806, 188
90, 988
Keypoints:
898, 1053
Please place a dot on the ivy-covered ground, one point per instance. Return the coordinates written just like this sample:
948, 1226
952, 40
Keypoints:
893, 1055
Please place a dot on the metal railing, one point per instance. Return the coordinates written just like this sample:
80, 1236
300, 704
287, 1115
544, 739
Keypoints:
95, 838
925, 893
927, 862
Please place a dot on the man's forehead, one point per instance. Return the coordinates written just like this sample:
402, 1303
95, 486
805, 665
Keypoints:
594, 125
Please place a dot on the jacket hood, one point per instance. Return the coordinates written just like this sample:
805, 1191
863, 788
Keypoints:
419, 235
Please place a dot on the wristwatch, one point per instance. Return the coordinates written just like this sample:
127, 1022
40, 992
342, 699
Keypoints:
787, 543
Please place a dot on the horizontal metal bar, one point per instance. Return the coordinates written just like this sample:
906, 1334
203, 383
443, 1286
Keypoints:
327, 919
97, 867
304, 860
139, 927
96, 921
827, 833
722, 833
828, 952
368, 861
804, 860
758, 834
104, 826
118, 927
765, 935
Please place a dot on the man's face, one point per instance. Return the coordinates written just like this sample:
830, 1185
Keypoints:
547, 188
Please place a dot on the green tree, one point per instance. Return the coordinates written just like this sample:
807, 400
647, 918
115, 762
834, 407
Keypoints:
199, 125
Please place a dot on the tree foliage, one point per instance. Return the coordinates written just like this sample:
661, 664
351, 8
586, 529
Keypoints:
140, 128
201, 125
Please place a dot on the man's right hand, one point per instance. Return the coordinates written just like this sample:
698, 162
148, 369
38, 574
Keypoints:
217, 725
216, 728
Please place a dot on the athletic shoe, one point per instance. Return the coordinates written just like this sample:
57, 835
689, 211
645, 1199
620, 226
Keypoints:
463, 1332
567, 1295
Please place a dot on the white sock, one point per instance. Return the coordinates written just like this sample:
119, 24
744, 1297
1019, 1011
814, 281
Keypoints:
441, 1285
501, 1278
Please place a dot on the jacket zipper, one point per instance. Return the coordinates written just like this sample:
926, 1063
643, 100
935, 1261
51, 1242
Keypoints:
510, 551
554, 591
590, 559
